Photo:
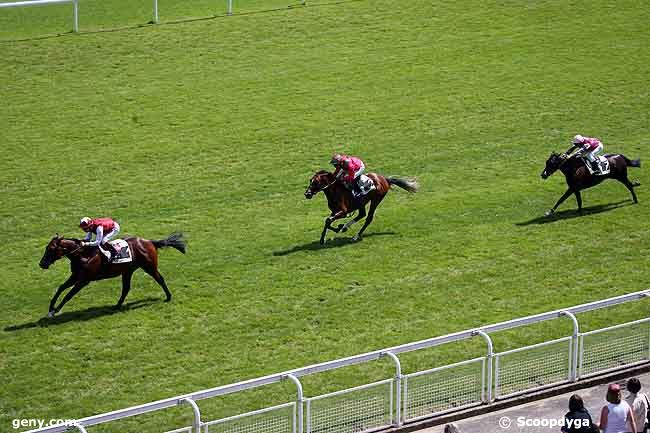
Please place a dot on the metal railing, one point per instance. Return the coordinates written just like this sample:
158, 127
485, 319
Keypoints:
75, 9
405, 398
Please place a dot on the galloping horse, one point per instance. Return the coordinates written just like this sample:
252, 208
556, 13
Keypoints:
579, 178
87, 266
341, 202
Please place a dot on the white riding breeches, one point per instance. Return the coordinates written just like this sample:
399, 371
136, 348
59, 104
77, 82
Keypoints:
110, 235
591, 156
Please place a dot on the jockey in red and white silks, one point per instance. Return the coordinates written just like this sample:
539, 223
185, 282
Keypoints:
590, 146
103, 228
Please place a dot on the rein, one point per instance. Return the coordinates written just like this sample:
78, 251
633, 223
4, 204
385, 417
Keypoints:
328, 185
568, 157
73, 251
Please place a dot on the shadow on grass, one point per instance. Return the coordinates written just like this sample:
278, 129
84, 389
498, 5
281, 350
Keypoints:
332, 243
574, 213
179, 21
83, 315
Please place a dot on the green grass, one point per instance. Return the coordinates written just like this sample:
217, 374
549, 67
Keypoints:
213, 127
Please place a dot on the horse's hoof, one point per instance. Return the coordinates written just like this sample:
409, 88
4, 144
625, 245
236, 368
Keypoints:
168, 299
356, 238
344, 229
322, 242
549, 212
50, 314
117, 307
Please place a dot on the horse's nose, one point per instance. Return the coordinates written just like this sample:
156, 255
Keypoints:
308, 194
43, 265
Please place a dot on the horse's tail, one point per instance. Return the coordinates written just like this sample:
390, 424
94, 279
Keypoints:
175, 240
410, 185
633, 162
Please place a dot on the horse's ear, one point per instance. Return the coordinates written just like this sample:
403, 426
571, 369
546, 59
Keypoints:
56, 235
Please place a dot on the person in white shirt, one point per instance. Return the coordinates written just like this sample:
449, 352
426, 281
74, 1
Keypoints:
639, 404
616, 416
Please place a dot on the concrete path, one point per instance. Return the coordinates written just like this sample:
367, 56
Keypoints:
549, 410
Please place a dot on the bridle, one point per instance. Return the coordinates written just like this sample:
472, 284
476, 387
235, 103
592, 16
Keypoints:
324, 188
73, 251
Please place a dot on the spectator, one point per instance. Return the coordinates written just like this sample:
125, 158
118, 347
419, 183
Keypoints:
616, 416
639, 404
577, 419
451, 428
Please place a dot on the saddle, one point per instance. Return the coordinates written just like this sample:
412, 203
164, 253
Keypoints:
603, 166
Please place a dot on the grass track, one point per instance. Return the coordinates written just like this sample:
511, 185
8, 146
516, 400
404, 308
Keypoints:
215, 126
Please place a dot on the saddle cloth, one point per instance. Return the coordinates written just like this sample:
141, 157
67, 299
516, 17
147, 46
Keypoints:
123, 254
366, 184
603, 164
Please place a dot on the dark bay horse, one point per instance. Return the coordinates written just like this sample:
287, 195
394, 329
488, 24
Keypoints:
578, 177
86, 265
341, 202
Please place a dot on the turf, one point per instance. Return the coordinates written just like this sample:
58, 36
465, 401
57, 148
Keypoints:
214, 127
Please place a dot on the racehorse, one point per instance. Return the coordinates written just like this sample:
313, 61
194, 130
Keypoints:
579, 178
86, 265
341, 202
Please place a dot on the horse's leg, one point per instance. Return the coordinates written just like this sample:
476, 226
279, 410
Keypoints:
126, 287
579, 200
630, 186
153, 271
77, 286
328, 225
371, 215
346, 226
69, 282
559, 202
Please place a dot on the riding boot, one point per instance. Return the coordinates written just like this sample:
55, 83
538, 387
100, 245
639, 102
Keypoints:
111, 253
595, 166
356, 195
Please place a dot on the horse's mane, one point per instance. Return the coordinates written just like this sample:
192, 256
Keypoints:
322, 172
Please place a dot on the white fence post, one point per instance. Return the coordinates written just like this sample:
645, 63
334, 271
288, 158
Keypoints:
196, 425
575, 343
229, 7
299, 398
490, 355
155, 12
398, 386
75, 14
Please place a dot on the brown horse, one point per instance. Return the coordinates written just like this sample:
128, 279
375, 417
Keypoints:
341, 202
579, 178
86, 265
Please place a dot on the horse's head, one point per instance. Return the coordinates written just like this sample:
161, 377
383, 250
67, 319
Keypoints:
57, 248
552, 164
319, 182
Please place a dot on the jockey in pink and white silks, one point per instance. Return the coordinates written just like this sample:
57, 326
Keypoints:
349, 169
590, 148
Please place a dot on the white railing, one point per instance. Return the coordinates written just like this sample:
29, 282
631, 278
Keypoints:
405, 398
75, 8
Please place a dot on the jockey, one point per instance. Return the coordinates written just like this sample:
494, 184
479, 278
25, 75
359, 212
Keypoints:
590, 147
104, 229
349, 169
